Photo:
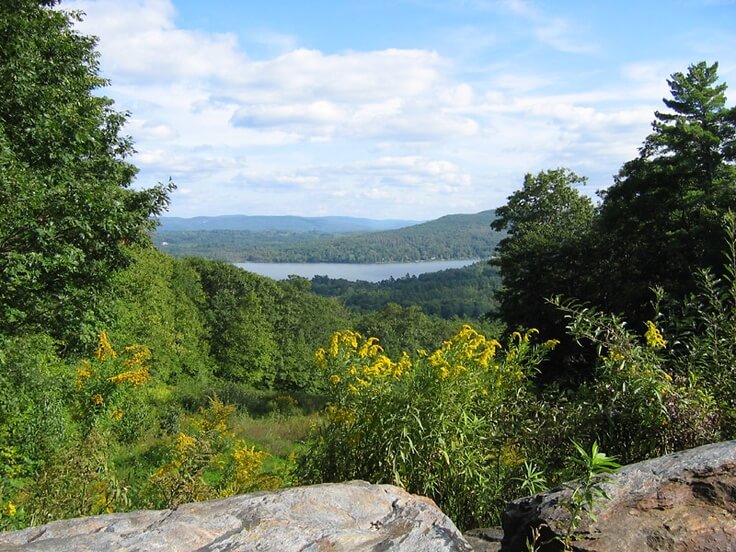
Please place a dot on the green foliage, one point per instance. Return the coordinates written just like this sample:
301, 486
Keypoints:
633, 406
33, 385
467, 292
705, 325
159, 301
68, 214
587, 492
405, 329
264, 332
658, 220
533, 481
548, 223
84, 467
206, 462
445, 424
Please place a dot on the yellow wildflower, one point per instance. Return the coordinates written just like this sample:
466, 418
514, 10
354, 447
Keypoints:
321, 357
551, 343
117, 414
654, 337
369, 348
334, 379
248, 462
135, 377
459, 369
403, 366
10, 509
83, 374
97, 399
615, 356
140, 354
488, 352
334, 344
104, 349
185, 442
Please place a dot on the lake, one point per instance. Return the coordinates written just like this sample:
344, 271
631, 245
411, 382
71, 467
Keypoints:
351, 271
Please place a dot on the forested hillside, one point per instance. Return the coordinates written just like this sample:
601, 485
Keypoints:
467, 292
449, 237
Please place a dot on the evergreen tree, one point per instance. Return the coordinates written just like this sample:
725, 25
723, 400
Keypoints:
661, 220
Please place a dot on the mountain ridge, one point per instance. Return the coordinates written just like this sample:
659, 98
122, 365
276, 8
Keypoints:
283, 223
458, 236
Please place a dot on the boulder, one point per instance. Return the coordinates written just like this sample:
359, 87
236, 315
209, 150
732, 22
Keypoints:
331, 517
680, 502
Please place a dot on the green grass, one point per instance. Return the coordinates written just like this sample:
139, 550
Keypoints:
278, 435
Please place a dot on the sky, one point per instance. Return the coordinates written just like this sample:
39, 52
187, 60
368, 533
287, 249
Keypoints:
409, 109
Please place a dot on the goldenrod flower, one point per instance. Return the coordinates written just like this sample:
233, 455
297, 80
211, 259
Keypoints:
248, 462
10, 510
654, 337
321, 358
135, 377
104, 349
551, 343
185, 442
140, 354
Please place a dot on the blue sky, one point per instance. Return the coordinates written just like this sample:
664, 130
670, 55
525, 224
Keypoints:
391, 109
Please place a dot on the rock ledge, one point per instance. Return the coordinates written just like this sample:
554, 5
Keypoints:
684, 501
331, 517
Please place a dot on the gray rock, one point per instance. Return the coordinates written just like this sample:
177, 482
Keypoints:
331, 517
680, 502
485, 540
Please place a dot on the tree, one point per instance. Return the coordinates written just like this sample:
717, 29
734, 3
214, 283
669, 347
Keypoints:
69, 215
548, 223
661, 219
158, 302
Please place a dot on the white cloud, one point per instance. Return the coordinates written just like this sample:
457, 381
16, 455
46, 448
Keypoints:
320, 112
303, 131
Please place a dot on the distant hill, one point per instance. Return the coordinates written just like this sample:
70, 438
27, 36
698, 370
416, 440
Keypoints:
327, 225
449, 237
467, 292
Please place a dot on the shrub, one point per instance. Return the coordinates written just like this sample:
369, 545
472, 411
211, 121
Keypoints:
205, 461
633, 406
446, 424
108, 394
